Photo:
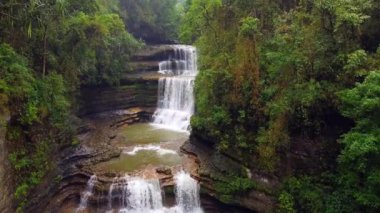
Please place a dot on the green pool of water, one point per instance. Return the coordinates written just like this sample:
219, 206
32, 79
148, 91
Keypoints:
139, 134
130, 163
145, 145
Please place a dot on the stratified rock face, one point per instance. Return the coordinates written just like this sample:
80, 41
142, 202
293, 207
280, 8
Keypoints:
96, 100
309, 155
5, 190
153, 53
214, 164
138, 87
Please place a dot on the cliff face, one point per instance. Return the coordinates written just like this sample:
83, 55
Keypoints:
5, 177
138, 88
214, 166
140, 94
306, 155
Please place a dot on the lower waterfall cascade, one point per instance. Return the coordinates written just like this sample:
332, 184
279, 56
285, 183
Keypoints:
86, 194
137, 195
175, 90
187, 193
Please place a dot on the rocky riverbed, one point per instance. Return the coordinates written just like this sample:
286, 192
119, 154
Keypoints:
102, 140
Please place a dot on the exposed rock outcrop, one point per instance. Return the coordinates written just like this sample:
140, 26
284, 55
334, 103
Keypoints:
138, 87
214, 165
307, 154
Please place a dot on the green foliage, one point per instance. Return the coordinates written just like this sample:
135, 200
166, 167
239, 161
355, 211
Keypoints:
229, 186
340, 201
219, 117
249, 26
308, 196
75, 142
31, 167
198, 16
58, 179
269, 140
311, 194
360, 157
272, 72
17, 83
356, 60
97, 49
52, 99
151, 20
227, 85
19, 160
84, 41
32, 99
286, 203
351, 12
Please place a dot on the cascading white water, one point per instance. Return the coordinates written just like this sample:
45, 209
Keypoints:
157, 148
118, 190
136, 195
87, 193
187, 193
175, 91
144, 195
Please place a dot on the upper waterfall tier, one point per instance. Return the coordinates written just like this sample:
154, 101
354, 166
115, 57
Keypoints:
175, 92
182, 63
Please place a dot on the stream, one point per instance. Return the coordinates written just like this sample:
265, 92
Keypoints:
148, 146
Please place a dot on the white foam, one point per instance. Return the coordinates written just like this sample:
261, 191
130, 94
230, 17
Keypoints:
155, 148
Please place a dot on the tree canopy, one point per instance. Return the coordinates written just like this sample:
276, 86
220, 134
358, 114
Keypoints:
272, 72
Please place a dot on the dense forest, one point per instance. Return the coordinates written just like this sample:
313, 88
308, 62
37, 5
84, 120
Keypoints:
271, 73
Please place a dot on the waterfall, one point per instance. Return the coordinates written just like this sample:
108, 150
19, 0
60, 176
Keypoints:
137, 195
118, 191
175, 90
187, 193
144, 195
87, 193
134, 195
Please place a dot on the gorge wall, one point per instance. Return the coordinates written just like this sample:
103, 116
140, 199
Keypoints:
307, 155
138, 88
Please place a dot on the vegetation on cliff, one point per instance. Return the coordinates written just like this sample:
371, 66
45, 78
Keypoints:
276, 72
48, 50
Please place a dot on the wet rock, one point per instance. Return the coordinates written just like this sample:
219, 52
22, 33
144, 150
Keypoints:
138, 87
110, 175
164, 170
214, 164
153, 53
74, 169
105, 99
